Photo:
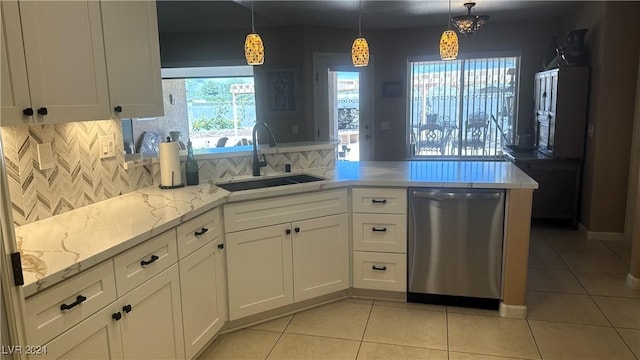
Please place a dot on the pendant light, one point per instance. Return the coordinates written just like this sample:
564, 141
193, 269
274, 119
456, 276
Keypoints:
360, 48
253, 47
449, 41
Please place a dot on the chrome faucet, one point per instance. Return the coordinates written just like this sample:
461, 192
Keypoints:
257, 164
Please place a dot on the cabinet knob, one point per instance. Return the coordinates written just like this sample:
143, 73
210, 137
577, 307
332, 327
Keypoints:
43, 111
117, 316
221, 246
127, 308
297, 229
118, 109
288, 231
27, 112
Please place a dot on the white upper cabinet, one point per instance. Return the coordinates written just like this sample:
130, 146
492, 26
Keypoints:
64, 52
133, 58
15, 90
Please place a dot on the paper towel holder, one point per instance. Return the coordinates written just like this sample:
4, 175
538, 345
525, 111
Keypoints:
167, 187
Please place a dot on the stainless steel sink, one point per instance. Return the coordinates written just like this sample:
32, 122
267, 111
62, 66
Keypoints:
268, 182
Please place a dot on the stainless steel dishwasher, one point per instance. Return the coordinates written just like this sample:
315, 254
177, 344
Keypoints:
455, 246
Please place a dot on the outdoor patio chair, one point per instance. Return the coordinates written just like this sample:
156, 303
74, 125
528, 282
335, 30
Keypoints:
222, 141
475, 137
433, 137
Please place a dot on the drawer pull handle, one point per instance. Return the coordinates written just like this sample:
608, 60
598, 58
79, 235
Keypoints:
117, 316
151, 261
127, 308
376, 201
384, 229
384, 268
79, 300
201, 232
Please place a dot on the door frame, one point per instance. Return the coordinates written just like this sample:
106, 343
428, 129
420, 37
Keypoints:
322, 125
12, 296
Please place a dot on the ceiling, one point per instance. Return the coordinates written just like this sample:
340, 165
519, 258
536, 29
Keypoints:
181, 16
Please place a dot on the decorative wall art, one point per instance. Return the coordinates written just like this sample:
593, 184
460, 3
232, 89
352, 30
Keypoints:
281, 86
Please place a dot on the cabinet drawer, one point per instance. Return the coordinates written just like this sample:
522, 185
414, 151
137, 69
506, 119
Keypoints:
379, 200
379, 271
91, 290
144, 261
198, 231
380, 232
254, 214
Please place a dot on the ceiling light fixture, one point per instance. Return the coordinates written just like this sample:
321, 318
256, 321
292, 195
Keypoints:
253, 46
360, 48
449, 41
468, 24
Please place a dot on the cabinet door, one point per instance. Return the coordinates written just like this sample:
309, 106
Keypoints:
64, 51
320, 256
133, 57
259, 269
152, 319
98, 337
202, 313
15, 88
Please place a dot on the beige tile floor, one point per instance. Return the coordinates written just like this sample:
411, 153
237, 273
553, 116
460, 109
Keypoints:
579, 308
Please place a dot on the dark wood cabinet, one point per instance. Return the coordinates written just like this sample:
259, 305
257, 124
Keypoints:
558, 194
560, 111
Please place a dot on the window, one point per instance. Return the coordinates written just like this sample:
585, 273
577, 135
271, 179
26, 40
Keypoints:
463, 107
218, 104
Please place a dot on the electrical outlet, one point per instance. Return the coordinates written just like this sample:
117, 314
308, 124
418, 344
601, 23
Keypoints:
590, 130
45, 156
294, 129
107, 146
385, 125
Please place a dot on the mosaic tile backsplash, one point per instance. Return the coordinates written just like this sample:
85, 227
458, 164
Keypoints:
81, 178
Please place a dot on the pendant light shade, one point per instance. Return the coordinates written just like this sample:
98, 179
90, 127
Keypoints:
360, 48
253, 46
360, 52
449, 45
254, 49
449, 41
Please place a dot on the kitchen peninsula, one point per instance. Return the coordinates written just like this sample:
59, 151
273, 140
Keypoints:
55, 249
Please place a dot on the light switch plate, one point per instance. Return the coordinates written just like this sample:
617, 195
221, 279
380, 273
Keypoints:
107, 146
385, 125
45, 156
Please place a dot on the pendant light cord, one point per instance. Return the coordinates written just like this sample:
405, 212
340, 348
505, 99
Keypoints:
360, 20
449, 17
253, 27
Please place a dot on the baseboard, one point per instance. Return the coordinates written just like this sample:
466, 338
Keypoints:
513, 311
596, 235
633, 282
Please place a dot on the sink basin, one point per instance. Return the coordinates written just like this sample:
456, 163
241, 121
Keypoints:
268, 182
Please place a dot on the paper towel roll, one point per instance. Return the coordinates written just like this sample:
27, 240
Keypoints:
170, 174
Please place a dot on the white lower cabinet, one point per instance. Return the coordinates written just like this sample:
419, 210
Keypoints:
97, 337
379, 239
320, 256
286, 262
152, 319
259, 269
203, 289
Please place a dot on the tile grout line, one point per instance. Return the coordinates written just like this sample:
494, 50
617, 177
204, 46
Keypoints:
446, 322
534, 338
279, 337
365, 329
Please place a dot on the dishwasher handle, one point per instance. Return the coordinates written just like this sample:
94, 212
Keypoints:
442, 195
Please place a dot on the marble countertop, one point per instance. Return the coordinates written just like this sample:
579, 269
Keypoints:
56, 248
